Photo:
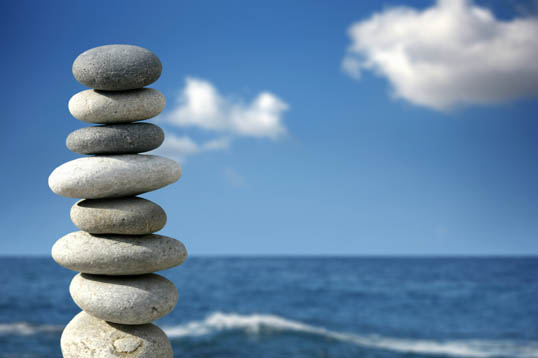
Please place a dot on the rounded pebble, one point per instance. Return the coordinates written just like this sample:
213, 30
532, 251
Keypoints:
115, 139
113, 176
124, 299
116, 107
126, 216
88, 337
117, 67
117, 254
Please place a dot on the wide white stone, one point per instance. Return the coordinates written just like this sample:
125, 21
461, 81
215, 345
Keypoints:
124, 299
116, 107
113, 176
117, 254
89, 337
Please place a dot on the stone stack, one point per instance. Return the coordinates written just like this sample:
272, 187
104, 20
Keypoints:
116, 251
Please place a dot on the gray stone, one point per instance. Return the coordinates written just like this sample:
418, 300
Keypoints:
116, 107
115, 139
113, 176
124, 299
127, 216
117, 67
117, 254
88, 337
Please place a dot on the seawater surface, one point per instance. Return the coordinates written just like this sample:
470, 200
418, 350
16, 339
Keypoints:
305, 307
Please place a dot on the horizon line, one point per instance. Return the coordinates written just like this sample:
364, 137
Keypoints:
322, 256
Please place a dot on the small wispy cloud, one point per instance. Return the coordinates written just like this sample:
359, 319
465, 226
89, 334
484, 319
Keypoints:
180, 148
453, 53
201, 105
234, 178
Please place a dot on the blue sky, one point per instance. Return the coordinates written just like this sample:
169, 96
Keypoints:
330, 131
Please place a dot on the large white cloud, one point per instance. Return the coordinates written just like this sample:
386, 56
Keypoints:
453, 53
201, 105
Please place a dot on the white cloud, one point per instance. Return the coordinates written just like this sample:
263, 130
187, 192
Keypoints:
182, 147
453, 53
201, 105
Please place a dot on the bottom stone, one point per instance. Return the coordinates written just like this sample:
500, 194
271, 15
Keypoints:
86, 336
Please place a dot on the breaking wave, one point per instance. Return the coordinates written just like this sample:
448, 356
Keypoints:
265, 324
258, 323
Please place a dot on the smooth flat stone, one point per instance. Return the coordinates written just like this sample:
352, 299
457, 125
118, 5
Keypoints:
117, 67
116, 107
115, 139
113, 176
88, 337
117, 254
124, 299
127, 216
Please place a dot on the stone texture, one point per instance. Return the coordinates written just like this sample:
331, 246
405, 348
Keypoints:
113, 176
117, 254
127, 216
117, 67
115, 139
124, 299
102, 107
88, 337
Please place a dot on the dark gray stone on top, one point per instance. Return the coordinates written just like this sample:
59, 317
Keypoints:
115, 139
117, 67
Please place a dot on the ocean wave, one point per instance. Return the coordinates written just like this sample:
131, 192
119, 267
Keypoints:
256, 323
27, 329
264, 323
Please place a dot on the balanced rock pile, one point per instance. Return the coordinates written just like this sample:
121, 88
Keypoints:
116, 252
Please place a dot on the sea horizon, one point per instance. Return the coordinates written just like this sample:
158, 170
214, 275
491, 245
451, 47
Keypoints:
327, 256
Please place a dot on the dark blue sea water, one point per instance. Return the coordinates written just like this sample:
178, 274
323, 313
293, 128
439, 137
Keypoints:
306, 307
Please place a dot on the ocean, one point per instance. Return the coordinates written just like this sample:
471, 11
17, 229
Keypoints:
305, 307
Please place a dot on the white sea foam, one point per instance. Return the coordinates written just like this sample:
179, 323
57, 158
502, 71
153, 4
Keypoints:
255, 323
258, 323
27, 329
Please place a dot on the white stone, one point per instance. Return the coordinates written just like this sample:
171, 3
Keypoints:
116, 107
117, 254
126, 216
89, 337
113, 176
124, 299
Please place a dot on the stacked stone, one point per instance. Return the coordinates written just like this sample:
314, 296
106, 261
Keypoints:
116, 251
